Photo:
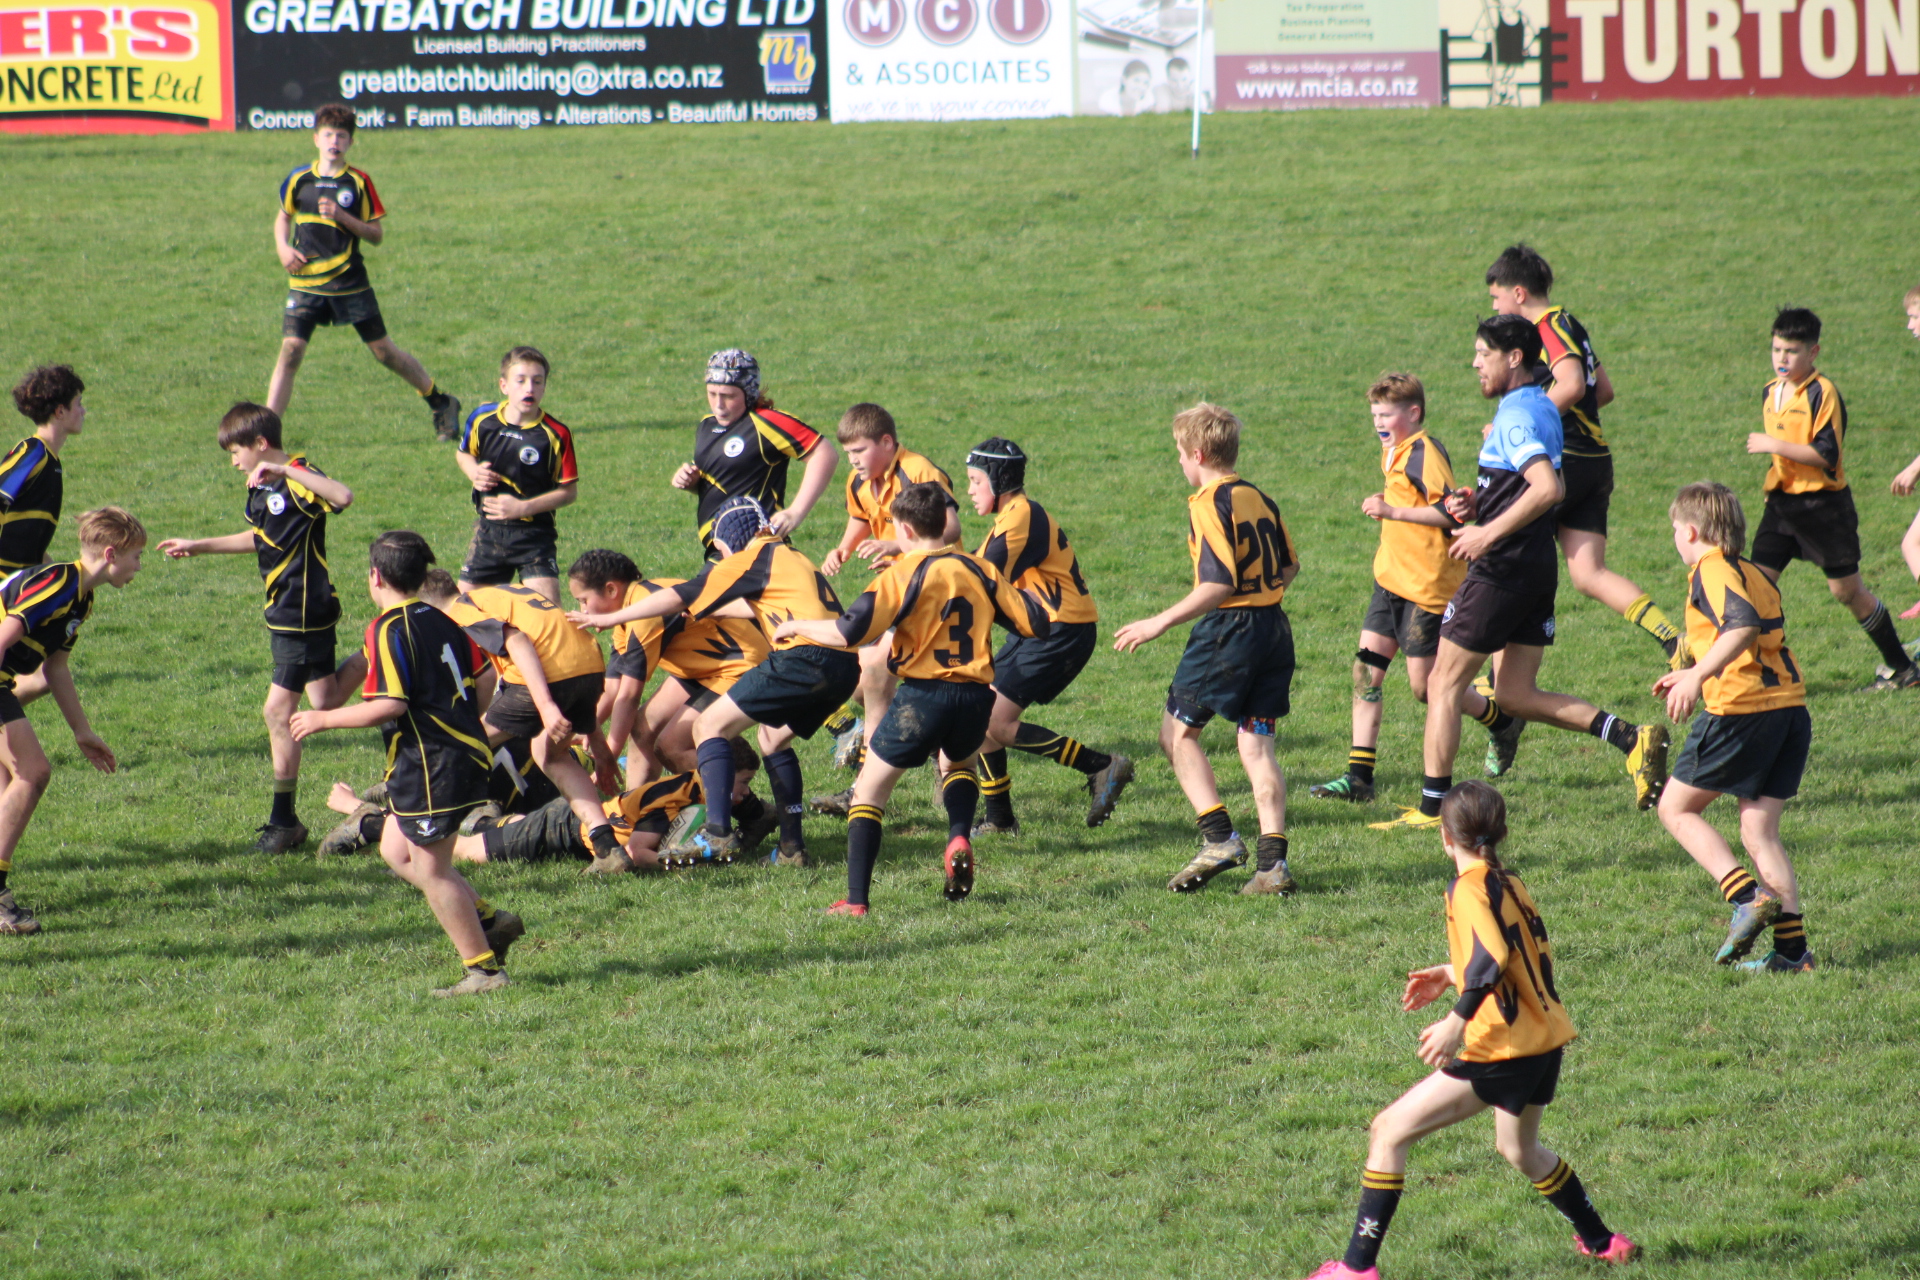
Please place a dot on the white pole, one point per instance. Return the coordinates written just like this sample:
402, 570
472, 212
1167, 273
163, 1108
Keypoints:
1199, 78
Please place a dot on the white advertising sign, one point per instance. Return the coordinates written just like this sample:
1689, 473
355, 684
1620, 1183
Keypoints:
950, 59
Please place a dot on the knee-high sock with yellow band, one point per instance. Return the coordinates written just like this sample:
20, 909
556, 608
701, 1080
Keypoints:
1645, 614
1563, 1191
996, 787
960, 792
863, 850
1036, 740
1379, 1197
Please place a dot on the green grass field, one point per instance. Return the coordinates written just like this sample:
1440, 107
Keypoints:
224, 1065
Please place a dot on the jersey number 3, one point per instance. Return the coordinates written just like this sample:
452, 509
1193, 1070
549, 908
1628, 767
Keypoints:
960, 613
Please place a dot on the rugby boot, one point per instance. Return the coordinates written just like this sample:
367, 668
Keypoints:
274, 839
1886, 680
1338, 1270
791, 853
446, 418
1104, 788
376, 794
1409, 820
1344, 787
989, 827
757, 820
708, 849
1273, 880
1774, 962
1502, 746
1647, 765
855, 910
1619, 1249
481, 817
502, 932
361, 828
959, 865
15, 918
476, 982
609, 864
1750, 920
850, 745
834, 806
1214, 857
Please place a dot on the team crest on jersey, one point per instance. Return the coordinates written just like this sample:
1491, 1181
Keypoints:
344, 197
73, 628
276, 503
734, 447
529, 454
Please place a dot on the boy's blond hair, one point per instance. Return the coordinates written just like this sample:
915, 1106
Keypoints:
1715, 511
1214, 431
1399, 388
866, 422
114, 527
438, 585
1913, 296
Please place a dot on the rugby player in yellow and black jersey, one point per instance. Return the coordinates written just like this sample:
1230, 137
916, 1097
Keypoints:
422, 690
759, 577
288, 502
1520, 282
32, 485
640, 817
41, 610
933, 609
1751, 738
1500, 1046
550, 680
327, 208
743, 447
1239, 657
1809, 513
520, 461
1031, 551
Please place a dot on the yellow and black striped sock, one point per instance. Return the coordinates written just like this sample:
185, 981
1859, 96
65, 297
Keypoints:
1360, 762
1563, 1191
842, 720
1041, 741
1215, 824
1738, 887
1379, 1197
1790, 935
996, 787
960, 793
863, 850
1646, 615
1491, 715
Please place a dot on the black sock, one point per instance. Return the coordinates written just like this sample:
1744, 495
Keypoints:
1215, 824
370, 827
1879, 628
1563, 1191
4, 868
1360, 762
863, 850
1790, 935
1492, 716
1737, 887
435, 397
996, 788
1269, 852
1379, 1197
750, 809
716, 783
1612, 729
283, 815
783, 777
604, 841
961, 792
1039, 741
1432, 791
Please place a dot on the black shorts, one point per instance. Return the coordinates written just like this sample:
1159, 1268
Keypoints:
307, 311
1484, 617
10, 708
1760, 754
1032, 673
799, 688
1415, 630
1239, 665
1512, 1085
300, 657
1589, 483
1821, 528
514, 714
549, 832
502, 547
926, 716
699, 697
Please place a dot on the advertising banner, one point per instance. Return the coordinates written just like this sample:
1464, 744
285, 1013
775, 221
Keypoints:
523, 64
1143, 56
163, 67
951, 59
1736, 48
1290, 54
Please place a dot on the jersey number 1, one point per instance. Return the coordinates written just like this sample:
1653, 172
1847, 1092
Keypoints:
453, 665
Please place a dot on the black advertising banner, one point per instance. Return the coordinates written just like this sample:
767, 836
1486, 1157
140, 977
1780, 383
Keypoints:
522, 64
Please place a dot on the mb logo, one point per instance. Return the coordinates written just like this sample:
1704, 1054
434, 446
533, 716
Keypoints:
787, 64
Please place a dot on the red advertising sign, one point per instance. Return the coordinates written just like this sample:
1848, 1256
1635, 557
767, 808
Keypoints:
1736, 48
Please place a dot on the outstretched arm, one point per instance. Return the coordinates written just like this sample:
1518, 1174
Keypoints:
822, 460
326, 488
360, 715
1204, 598
661, 604
231, 544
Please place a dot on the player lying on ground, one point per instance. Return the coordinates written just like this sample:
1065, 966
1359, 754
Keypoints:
1238, 663
934, 607
420, 690
1750, 740
1500, 1045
